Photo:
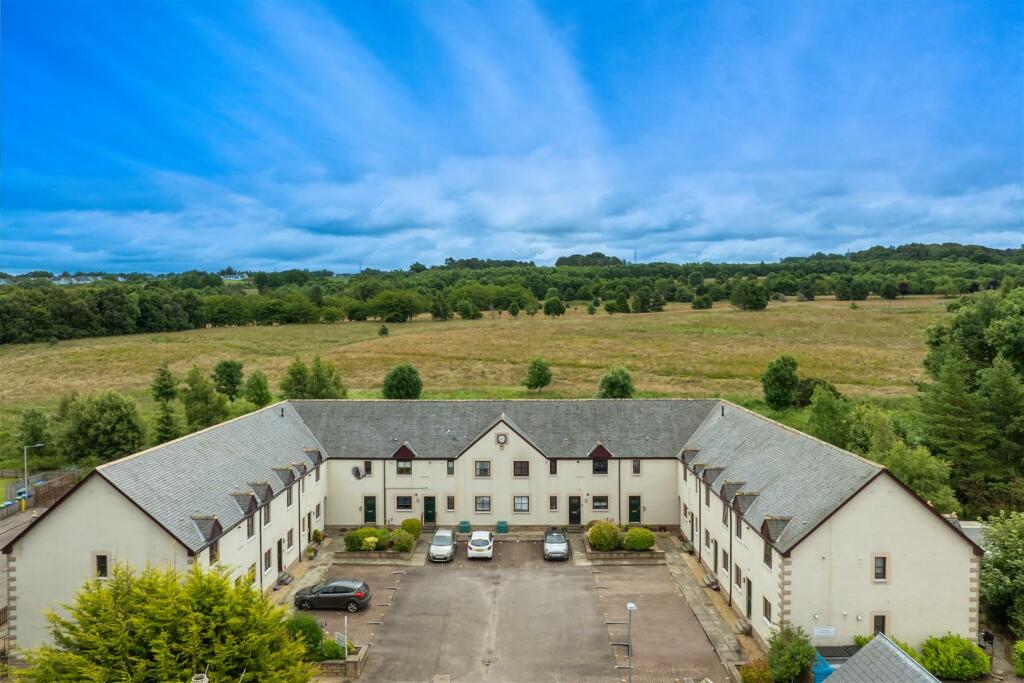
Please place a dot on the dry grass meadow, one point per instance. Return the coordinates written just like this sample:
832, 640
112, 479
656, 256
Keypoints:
874, 350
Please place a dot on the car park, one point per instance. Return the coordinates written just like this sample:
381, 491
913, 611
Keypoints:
480, 546
348, 594
556, 545
442, 546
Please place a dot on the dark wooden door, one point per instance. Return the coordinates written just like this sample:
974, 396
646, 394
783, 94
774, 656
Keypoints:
575, 510
429, 510
634, 509
716, 559
280, 556
369, 509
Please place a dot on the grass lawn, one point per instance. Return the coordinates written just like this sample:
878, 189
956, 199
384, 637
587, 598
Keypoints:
873, 351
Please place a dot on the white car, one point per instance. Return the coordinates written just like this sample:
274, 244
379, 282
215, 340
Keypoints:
481, 545
442, 546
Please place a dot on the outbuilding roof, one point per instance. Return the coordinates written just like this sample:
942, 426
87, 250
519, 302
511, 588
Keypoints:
881, 661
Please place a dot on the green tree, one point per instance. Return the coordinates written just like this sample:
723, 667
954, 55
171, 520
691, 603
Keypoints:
513, 309
531, 308
439, 309
161, 625
296, 380
538, 374
403, 382
749, 295
100, 427
780, 382
203, 405
166, 426
591, 309
829, 418
695, 279
227, 378
324, 380
165, 386
889, 290
316, 296
468, 310
34, 428
554, 307
256, 389
790, 653
1002, 571
872, 430
617, 383
926, 475
702, 302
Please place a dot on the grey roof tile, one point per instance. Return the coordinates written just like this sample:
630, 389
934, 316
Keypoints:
197, 474
559, 429
794, 475
881, 661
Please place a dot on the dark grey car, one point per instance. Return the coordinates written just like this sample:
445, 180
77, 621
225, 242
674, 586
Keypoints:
348, 594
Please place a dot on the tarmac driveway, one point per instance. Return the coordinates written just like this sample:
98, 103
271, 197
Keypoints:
492, 621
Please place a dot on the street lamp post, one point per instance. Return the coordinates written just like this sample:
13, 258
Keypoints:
25, 450
630, 608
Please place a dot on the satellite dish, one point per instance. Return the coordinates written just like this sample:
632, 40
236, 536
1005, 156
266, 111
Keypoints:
357, 473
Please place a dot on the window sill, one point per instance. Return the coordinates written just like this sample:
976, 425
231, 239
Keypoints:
482, 512
479, 476
520, 512
403, 510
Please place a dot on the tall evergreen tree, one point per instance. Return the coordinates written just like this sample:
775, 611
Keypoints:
780, 382
403, 382
324, 380
296, 380
830, 417
164, 386
203, 405
166, 426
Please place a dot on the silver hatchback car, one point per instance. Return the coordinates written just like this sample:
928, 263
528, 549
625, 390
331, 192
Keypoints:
442, 546
556, 545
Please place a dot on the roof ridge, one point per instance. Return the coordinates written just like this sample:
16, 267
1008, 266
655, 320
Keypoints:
805, 435
144, 451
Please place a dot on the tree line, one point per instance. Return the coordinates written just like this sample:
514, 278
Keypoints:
35, 309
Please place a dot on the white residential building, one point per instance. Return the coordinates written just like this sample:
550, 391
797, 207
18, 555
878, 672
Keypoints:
795, 529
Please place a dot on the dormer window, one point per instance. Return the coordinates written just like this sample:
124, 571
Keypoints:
214, 552
266, 514
288, 497
767, 554
250, 526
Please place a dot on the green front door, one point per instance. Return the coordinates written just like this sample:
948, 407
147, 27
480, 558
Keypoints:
429, 510
634, 509
369, 509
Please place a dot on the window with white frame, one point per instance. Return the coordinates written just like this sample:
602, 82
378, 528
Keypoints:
291, 538
738, 577
266, 513
767, 554
266, 561
520, 503
288, 497
250, 526
766, 609
880, 568
450, 467
451, 504
725, 561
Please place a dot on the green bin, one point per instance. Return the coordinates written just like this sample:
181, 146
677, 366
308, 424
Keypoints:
502, 527
464, 527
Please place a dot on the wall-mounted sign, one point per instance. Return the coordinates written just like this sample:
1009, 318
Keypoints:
825, 632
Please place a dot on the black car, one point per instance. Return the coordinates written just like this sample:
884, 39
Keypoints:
350, 594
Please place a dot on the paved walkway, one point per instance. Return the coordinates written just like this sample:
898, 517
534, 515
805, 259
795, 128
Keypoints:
720, 631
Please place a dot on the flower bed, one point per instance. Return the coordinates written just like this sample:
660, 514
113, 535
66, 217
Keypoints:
350, 667
623, 556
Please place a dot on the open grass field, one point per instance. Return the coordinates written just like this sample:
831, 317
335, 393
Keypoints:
875, 350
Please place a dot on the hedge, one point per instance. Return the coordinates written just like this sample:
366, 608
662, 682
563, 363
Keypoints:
402, 540
413, 527
954, 658
756, 672
354, 539
604, 536
638, 538
307, 629
1018, 658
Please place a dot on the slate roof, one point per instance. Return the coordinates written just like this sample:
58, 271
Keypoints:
881, 661
202, 473
559, 429
794, 475
782, 473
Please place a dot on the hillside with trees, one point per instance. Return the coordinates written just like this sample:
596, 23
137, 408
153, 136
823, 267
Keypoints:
34, 307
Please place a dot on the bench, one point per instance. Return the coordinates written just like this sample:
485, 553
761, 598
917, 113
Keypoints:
743, 627
709, 582
284, 579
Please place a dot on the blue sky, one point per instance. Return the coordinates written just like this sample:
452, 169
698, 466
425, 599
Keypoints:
145, 135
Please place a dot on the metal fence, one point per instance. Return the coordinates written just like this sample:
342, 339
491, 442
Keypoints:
44, 492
